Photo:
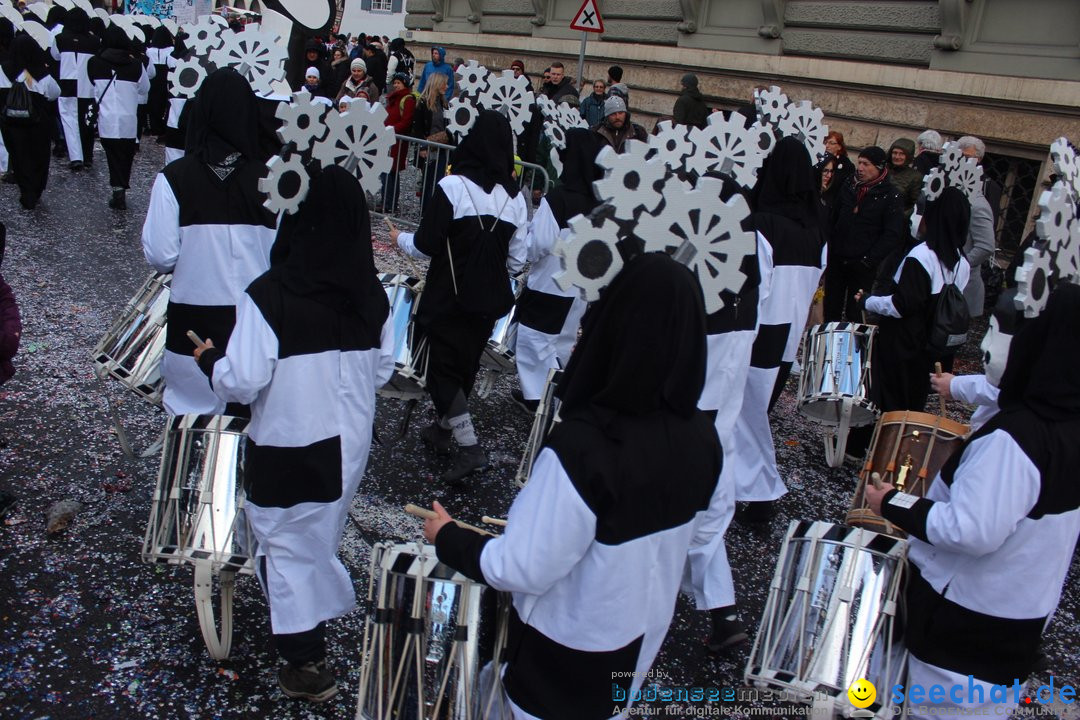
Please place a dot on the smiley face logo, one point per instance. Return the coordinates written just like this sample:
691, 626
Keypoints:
862, 693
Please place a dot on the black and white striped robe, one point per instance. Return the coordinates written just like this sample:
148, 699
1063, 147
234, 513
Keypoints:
76, 102
214, 236
989, 548
175, 129
798, 261
310, 377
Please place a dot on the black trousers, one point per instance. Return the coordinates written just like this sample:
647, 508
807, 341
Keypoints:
29, 147
87, 127
844, 278
119, 153
455, 344
302, 647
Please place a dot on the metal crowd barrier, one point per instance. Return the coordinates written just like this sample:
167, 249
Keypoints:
405, 193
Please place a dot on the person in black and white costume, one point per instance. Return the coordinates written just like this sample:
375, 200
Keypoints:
474, 232
120, 80
991, 543
311, 345
595, 542
207, 226
74, 48
784, 204
157, 104
176, 119
549, 316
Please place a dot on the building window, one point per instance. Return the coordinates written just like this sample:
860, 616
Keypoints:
381, 5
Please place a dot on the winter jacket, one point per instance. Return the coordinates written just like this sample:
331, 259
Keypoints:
350, 89
871, 229
690, 108
906, 178
560, 92
592, 109
10, 330
400, 108
442, 67
617, 138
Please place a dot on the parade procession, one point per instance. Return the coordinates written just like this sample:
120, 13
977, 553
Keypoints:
395, 379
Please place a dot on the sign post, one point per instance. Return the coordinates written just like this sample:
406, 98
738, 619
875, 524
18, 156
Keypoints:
587, 20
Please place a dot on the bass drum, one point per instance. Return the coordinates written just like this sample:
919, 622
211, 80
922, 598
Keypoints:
132, 349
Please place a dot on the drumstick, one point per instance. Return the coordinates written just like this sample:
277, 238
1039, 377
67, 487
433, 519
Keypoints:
493, 521
937, 373
876, 479
430, 515
194, 338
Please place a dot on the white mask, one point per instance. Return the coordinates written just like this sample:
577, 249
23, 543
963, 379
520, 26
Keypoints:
995, 349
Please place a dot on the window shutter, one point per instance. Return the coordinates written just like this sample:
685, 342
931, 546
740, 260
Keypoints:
395, 5
365, 4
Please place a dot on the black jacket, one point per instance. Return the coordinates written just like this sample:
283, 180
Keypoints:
690, 108
871, 231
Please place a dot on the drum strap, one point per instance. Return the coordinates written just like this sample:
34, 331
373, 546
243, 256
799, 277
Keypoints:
218, 644
835, 444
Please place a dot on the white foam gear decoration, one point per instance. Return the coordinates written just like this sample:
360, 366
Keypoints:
727, 147
805, 123
705, 233
590, 257
302, 120
630, 181
293, 170
1067, 260
547, 107
771, 104
472, 78
1066, 165
509, 96
204, 35
766, 138
460, 116
673, 142
556, 161
258, 56
570, 117
360, 141
1033, 282
935, 183
555, 134
169, 23
1057, 213
557, 120
186, 77
968, 176
951, 157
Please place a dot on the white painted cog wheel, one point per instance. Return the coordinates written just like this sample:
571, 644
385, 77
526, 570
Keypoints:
258, 56
1033, 282
555, 134
766, 138
1067, 260
805, 123
725, 146
771, 104
951, 155
569, 117
187, 77
359, 141
1066, 165
509, 96
460, 117
1057, 211
967, 177
547, 107
673, 143
706, 234
204, 36
630, 182
935, 183
556, 161
591, 258
286, 185
302, 121
472, 78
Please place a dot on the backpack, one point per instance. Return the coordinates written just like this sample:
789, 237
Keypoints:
20, 109
411, 132
949, 321
406, 62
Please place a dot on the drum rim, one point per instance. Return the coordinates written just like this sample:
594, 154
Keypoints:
928, 420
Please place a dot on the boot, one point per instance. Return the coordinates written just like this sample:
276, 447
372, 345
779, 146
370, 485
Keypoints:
118, 201
437, 438
470, 459
310, 681
727, 630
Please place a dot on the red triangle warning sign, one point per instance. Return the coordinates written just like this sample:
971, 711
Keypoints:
588, 18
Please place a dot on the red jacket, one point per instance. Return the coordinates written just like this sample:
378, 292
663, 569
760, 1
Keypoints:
10, 330
399, 115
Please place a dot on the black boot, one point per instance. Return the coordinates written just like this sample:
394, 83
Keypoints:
437, 438
118, 201
470, 459
727, 630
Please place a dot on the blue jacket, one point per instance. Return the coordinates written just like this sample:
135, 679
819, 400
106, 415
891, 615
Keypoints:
592, 109
443, 67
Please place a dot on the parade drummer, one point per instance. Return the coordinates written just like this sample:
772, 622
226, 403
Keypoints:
311, 345
991, 543
596, 541
473, 231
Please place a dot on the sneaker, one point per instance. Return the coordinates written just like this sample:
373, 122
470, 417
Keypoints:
727, 632
310, 681
470, 459
528, 406
437, 438
75, 165
118, 201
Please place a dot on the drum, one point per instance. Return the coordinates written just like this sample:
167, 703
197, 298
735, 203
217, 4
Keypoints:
829, 617
410, 361
499, 352
907, 450
433, 644
196, 514
836, 374
132, 349
547, 414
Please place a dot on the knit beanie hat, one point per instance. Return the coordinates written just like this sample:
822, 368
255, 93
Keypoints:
875, 155
358, 63
312, 71
613, 105
518, 64
403, 77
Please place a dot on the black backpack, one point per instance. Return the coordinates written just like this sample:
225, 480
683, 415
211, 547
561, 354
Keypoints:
20, 108
950, 320
406, 62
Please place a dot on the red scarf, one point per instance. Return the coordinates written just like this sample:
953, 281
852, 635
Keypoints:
862, 188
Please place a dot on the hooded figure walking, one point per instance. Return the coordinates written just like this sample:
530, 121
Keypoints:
690, 108
438, 64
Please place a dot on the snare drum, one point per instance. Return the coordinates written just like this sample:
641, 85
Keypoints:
829, 617
410, 356
132, 349
907, 450
547, 414
499, 351
196, 515
433, 645
836, 374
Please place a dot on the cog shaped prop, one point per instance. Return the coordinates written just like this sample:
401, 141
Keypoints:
590, 257
472, 78
510, 96
630, 183
258, 56
286, 185
766, 139
555, 134
673, 143
187, 77
951, 156
771, 104
707, 236
1057, 215
935, 183
359, 141
968, 177
1033, 282
204, 35
727, 147
547, 107
1066, 165
302, 120
461, 116
570, 118
807, 124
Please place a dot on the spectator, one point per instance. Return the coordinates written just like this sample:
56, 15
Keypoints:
339, 68
927, 150
518, 67
835, 146
617, 128
991, 189
358, 82
430, 123
315, 57
313, 81
690, 108
616, 85
907, 179
400, 108
437, 65
375, 60
559, 87
592, 107
399, 60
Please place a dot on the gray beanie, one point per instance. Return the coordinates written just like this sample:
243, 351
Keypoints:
613, 105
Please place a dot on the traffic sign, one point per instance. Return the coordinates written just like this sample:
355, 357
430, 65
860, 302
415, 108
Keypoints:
588, 18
